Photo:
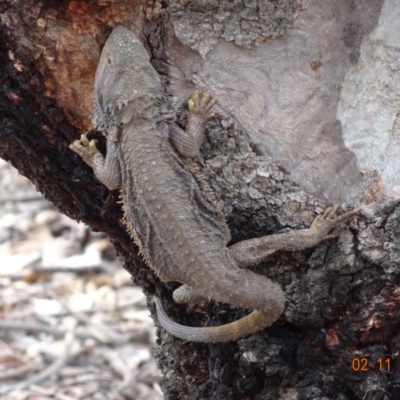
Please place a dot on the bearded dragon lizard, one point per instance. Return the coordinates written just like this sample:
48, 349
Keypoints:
169, 211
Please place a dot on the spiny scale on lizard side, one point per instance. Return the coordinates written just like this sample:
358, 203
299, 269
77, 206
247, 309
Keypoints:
127, 221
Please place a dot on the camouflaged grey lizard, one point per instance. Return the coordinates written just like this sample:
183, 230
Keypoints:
169, 210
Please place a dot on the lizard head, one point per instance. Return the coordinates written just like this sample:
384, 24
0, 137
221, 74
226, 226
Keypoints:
124, 74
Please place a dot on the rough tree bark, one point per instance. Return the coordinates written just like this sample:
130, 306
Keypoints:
307, 116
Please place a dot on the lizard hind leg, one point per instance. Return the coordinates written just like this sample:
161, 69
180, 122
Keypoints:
186, 295
253, 251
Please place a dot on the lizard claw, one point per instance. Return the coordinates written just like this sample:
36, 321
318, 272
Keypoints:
84, 140
194, 99
204, 100
325, 222
200, 104
85, 148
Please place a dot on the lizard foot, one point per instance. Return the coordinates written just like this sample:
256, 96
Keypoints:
85, 148
200, 104
325, 222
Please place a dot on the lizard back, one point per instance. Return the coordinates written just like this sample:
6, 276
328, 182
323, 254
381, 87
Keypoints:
179, 230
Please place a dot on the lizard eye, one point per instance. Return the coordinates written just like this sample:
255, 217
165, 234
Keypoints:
109, 61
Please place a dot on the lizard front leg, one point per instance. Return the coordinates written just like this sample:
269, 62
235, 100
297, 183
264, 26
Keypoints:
188, 142
253, 251
106, 170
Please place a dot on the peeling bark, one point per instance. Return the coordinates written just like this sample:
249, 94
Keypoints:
275, 156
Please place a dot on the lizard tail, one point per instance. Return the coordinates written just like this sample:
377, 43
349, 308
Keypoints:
247, 325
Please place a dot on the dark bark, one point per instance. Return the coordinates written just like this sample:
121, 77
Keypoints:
342, 296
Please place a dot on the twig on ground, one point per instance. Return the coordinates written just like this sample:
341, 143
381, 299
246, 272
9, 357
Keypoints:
50, 370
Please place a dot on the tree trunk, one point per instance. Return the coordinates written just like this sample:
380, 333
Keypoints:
307, 116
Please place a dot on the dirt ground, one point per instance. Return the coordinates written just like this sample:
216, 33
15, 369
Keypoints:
72, 325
